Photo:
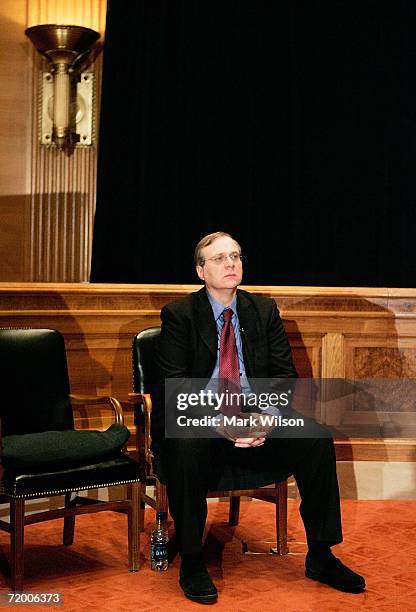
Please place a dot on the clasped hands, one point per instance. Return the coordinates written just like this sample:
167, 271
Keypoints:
250, 436
248, 442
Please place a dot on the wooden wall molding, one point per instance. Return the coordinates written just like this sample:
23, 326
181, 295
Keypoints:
326, 327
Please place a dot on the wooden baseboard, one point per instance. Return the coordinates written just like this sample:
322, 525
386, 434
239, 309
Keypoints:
371, 449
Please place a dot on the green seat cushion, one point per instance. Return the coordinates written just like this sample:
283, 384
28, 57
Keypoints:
37, 451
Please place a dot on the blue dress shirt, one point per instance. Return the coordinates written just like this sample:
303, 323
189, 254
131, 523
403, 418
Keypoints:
218, 310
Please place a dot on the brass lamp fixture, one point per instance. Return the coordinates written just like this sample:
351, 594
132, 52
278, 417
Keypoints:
67, 94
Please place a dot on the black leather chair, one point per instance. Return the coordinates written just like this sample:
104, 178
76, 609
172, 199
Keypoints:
235, 482
42, 454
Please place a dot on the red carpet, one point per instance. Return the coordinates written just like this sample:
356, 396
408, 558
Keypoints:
92, 574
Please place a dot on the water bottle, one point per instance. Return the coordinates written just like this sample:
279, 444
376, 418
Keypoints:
159, 544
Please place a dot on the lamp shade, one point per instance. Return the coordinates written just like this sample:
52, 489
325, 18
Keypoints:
62, 43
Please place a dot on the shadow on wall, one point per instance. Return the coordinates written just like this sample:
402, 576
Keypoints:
14, 244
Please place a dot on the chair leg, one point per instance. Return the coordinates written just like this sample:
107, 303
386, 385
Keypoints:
162, 504
142, 487
234, 511
17, 525
69, 523
281, 518
133, 518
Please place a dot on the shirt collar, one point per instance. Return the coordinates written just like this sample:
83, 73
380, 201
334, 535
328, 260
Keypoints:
218, 308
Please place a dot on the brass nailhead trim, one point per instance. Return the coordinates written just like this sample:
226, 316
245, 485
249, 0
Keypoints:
70, 490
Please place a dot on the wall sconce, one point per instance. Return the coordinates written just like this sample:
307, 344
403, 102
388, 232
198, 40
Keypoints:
67, 93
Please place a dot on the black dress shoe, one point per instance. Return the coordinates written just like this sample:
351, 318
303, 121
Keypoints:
196, 583
333, 572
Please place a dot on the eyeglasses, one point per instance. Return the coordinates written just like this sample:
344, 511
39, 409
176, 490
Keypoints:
218, 260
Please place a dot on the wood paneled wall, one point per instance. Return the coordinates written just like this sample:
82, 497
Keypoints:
334, 332
47, 197
15, 135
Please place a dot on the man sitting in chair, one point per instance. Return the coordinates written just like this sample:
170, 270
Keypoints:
210, 335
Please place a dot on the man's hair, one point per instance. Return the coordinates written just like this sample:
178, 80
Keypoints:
206, 241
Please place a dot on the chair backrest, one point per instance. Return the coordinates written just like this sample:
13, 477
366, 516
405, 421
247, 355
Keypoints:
34, 382
144, 371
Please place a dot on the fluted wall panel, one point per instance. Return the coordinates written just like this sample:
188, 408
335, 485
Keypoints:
63, 186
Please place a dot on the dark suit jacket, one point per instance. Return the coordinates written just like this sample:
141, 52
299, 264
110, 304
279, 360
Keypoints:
187, 346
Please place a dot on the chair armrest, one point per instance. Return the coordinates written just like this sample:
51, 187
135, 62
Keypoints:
143, 442
135, 397
90, 400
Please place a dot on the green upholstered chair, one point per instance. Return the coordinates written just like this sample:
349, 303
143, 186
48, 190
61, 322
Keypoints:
43, 456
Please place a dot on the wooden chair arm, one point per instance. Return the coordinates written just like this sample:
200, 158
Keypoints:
91, 400
134, 398
144, 442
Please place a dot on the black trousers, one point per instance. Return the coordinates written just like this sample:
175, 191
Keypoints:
192, 466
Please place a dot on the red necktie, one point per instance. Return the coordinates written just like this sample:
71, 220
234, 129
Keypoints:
229, 367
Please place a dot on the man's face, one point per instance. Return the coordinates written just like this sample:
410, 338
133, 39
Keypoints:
224, 275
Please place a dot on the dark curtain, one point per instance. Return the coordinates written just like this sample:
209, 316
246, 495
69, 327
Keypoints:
290, 125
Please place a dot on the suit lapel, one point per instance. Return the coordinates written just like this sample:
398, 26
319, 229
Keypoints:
206, 326
247, 317
249, 332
